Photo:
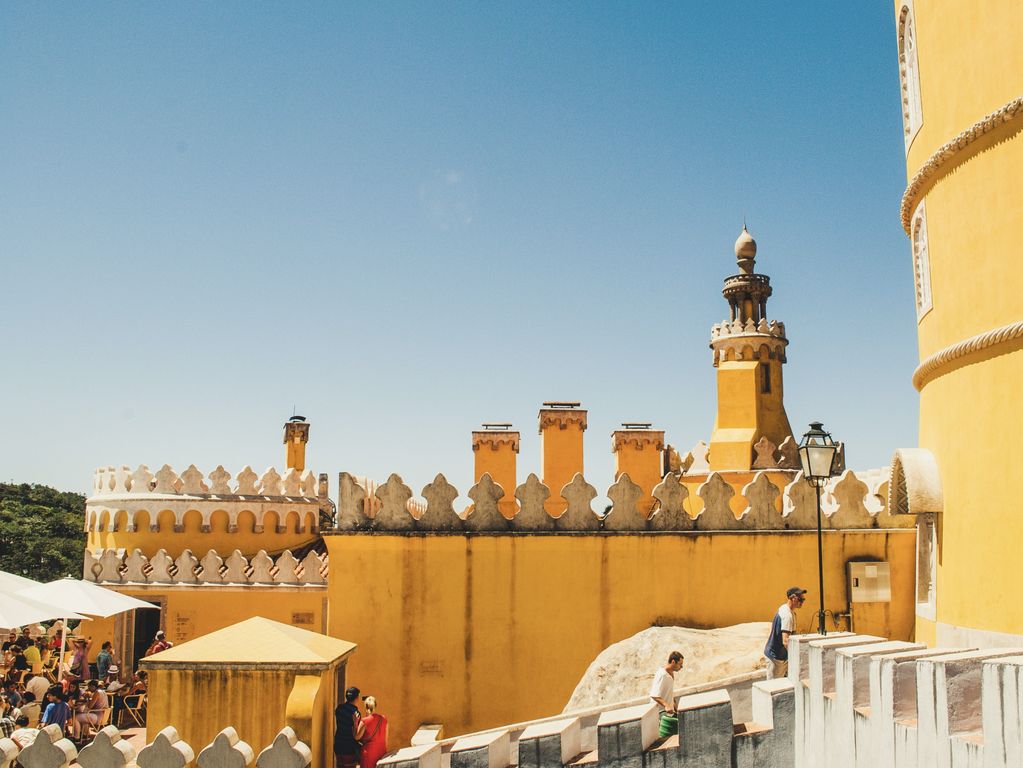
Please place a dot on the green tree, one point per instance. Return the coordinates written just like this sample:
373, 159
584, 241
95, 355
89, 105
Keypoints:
42, 533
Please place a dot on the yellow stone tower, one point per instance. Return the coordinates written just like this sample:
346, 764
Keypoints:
961, 71
749, 352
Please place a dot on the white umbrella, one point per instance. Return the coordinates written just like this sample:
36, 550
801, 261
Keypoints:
17, 610
84, 597
12, 582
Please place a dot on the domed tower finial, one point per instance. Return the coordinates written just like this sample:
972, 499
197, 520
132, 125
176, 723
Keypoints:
745, 250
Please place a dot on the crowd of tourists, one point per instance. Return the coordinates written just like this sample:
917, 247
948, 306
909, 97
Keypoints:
77, 696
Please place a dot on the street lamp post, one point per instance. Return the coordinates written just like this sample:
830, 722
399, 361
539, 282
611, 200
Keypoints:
817, 454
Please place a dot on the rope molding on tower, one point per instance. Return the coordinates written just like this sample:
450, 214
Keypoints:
943, 361
950, 155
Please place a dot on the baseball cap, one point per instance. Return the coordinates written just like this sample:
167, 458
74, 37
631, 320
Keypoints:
794, 591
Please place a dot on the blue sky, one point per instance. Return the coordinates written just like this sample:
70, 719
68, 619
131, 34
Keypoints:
406, 219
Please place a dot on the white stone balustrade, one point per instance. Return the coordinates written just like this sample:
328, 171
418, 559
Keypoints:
483, 750
551, 743
113, 566
623, 735
167, 750
851, 502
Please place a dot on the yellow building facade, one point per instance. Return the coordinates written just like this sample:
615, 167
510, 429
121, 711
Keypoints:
961, 68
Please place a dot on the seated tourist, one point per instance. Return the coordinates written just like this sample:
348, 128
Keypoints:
11, 692
93, 709
7, 726
30, 708
33, 658
112, 683
37, 685
23, 734
19, 665
25, 638
139, 683
57, 711
12, 639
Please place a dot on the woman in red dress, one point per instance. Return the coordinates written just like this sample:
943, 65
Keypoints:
374, 739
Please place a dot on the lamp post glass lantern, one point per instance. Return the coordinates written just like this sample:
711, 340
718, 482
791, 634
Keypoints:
817, 454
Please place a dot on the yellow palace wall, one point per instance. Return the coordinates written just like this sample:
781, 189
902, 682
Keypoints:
474, 631
971, 65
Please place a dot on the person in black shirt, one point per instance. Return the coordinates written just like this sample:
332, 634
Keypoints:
348, 730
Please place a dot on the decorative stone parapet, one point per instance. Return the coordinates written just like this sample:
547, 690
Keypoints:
108, 750
761, 341
120, 495
114, 566
848, 503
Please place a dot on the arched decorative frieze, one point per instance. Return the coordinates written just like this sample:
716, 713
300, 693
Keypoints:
915, 486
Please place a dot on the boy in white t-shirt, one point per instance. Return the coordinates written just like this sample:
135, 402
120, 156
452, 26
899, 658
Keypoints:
664, 683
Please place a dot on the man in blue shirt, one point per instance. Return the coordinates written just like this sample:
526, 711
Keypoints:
777, 648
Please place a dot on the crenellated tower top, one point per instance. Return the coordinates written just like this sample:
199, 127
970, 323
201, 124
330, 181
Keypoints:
749, 351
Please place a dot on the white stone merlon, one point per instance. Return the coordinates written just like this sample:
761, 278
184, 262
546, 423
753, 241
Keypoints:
821, 663
420, 756
769, 740
705, 728
1003, 711
623, 735
852, 697
948, 692
485, 750
799, 676
551, 743
892, 699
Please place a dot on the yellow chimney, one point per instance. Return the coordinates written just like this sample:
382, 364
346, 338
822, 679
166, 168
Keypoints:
638, 453
496, 447
561, 444
296, 435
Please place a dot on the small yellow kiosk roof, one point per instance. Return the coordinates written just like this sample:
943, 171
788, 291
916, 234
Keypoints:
255, 642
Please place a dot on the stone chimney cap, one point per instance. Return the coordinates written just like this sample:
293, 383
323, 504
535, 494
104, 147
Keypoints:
637, 424
500, 425
561, 404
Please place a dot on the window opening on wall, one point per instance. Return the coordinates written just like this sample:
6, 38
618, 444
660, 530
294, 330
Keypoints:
921, 263
926, 560
909, 75
765, 378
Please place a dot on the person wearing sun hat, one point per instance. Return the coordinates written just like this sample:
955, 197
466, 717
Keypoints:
777, 648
